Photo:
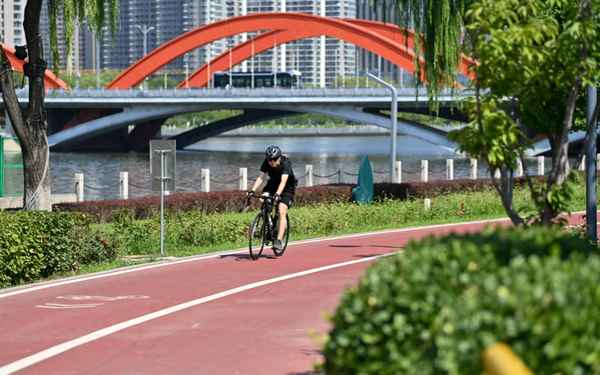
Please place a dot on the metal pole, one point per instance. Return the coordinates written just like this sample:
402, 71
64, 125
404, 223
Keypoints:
230, 72
590, 166
187, 73
97, 49
145, 49
275, 62
252, 53
394, 119
144, 29
2, 166
162, 202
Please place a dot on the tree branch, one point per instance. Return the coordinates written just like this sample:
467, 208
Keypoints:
11, 101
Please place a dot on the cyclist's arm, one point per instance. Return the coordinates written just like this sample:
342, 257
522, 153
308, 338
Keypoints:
259, 181
284, 178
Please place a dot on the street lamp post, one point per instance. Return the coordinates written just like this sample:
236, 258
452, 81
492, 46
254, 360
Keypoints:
144, 29
394, 118
590, 167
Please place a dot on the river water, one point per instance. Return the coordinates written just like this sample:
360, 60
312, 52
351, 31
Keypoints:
337, 157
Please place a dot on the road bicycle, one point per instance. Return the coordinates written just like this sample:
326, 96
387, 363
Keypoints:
263, 229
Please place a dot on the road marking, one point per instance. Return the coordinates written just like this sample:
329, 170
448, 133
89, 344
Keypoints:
49, 305
101, 298
68, 345
102, 275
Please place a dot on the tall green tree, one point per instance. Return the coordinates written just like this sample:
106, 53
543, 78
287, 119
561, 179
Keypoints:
535, 60
30, 123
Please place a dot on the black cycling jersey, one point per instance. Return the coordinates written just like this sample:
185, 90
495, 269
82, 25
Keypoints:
285, 167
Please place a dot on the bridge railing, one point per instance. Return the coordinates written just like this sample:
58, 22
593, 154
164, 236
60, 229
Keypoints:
237, 92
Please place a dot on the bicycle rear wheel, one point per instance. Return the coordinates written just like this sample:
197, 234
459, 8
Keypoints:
284, 240
256, 237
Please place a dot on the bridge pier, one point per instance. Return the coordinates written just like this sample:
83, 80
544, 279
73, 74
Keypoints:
139, 138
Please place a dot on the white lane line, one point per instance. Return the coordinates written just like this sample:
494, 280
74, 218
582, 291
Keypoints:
68, 345
102, 275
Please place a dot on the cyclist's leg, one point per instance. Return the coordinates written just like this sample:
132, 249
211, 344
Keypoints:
286, 201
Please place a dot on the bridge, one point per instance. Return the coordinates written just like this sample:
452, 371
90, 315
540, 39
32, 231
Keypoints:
144, 108
98, 119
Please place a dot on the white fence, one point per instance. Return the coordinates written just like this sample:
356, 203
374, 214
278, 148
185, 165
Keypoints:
242, 181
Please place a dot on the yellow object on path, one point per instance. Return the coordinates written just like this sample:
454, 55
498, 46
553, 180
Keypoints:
499, 359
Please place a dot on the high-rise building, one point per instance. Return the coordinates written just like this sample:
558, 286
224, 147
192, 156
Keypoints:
77, 58
11, 22
158, 22
199, 13
322, 61
370, 62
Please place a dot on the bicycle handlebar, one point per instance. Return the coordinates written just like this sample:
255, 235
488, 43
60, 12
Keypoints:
268, 198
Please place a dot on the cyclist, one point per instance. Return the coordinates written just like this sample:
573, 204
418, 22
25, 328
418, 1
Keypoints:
281, 186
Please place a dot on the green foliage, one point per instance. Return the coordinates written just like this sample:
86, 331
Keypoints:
197, 229
438, 28
491, 136
135, 236
35, 245
435, 307
532, 51
88, 79
535, 59
188, 230
78, 12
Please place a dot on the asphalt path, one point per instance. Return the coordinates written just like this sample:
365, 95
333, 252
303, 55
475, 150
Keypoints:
218, 314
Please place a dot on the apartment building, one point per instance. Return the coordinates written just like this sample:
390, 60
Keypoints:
11, 22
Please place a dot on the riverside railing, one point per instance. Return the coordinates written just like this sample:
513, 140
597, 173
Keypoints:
444, 169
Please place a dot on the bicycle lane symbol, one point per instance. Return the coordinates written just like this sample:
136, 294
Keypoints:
86, 302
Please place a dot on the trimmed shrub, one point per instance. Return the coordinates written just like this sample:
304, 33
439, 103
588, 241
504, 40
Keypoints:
232, 201
208, 203
434, 308
36, 245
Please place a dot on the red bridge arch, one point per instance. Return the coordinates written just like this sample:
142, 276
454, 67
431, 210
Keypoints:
268, 40
51, 81
382, 42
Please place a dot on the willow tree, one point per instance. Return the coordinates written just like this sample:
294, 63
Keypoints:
29, 123
439, 26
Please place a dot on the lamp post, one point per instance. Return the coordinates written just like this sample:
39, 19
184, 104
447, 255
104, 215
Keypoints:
590, 165
394, 118
96, 43
144, 29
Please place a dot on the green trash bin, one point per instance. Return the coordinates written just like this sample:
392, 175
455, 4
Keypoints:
363, 192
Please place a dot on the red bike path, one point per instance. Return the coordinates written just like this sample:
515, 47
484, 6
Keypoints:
220, 314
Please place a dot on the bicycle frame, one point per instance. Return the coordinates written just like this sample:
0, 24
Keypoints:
269, 215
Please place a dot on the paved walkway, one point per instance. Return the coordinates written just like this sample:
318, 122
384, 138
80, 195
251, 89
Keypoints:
220, 314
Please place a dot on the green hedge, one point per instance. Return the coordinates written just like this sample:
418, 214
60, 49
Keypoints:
36, 245
435, 307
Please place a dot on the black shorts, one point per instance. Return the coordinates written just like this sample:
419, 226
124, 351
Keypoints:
287, 197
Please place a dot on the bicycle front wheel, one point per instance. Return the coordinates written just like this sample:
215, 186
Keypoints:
256, 236
284, 240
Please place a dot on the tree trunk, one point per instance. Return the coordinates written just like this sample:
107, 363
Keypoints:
505, 188
31, 126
